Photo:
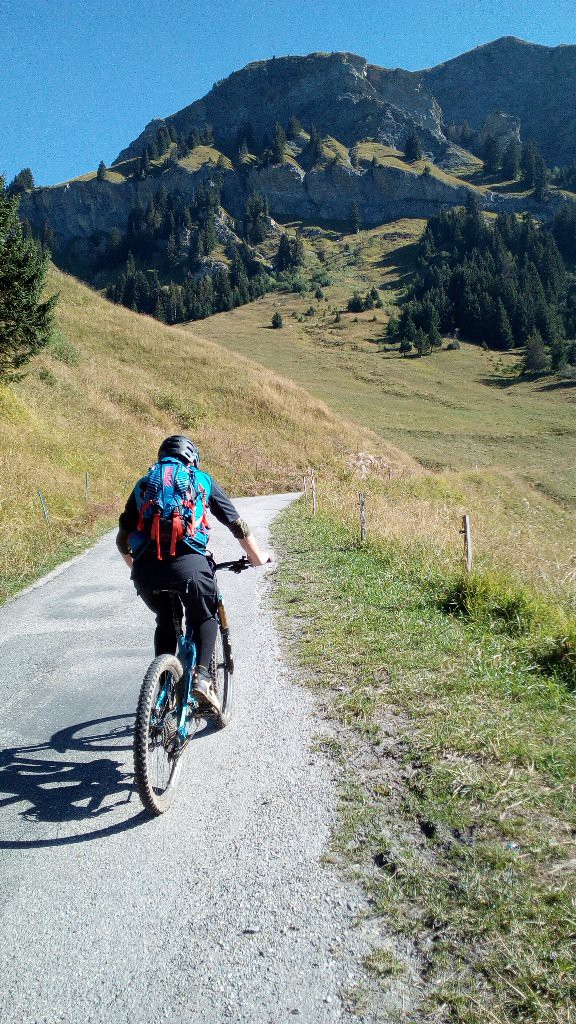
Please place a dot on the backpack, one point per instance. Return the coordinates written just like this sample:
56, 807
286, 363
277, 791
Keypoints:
171, 500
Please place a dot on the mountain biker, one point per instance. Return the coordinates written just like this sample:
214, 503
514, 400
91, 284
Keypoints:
188, 570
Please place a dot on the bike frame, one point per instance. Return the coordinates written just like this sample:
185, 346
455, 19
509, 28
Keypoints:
187, 654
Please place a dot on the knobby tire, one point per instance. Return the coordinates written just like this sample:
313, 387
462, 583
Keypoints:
151, 743
221, 668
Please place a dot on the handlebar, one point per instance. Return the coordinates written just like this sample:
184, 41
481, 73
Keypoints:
238, 565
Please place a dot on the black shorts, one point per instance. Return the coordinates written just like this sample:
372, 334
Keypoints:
190, 574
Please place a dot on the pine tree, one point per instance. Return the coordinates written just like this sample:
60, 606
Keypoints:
528, 163
511, 160
101, 172
22, 182
294, 128
315, 147
540, 179
355, 222
491, 155
278, 147
535, 357
413, 148
25, 321
503, 336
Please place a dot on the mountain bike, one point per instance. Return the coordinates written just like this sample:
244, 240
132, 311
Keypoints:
169, 715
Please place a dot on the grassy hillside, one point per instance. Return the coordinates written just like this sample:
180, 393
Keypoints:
501, 447
103, 396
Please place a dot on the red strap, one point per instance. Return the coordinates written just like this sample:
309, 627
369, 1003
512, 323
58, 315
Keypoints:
155, 534
177, 532
143, 508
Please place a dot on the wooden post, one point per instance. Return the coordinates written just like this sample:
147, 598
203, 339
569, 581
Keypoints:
86, 485
306, 493
313, 495
44, 507
467, 533
362, 503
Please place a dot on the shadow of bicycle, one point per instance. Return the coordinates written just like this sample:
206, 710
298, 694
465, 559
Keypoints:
57, 799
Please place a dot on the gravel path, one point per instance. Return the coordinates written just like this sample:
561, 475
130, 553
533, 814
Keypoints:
219, 910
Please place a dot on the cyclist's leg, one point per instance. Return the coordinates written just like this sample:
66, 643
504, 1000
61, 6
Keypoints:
201, 604
165, 634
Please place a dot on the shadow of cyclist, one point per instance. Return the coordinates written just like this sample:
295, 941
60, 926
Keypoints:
57, 790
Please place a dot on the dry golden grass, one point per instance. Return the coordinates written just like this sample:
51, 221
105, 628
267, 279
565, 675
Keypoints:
500, 447
102, 399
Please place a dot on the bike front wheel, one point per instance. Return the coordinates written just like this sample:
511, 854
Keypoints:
157, 750
221, 671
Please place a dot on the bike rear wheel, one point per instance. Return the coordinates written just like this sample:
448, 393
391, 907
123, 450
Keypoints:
157, 752
221, 672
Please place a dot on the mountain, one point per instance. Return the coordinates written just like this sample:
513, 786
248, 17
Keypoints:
533, 83
350, 99
352, 122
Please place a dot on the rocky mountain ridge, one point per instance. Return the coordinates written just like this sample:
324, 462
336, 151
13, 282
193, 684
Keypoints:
347, 97
350, 101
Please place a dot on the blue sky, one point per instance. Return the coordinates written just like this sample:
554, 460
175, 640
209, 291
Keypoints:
79, 79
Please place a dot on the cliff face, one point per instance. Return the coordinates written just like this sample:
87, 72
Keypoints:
350, 99
508, 87
535, 84
340, 93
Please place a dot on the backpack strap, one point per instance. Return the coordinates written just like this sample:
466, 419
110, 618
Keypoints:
155, 534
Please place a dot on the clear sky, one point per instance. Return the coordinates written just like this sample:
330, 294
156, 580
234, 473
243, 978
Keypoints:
79, 79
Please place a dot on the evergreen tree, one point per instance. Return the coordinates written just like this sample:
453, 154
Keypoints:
491, 155
256, 218
466, 135
535, 357
511, 160
101, 172
25, 321
503, 336
294, 128
355, 222
540, 179
315, 148
22, 182
277, 321
278, 144
528, 163
413, 148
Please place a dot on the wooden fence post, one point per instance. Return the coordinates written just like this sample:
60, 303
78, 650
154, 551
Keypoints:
86, 485
44, 507
306, 493
313, 494
362, 503
467, 533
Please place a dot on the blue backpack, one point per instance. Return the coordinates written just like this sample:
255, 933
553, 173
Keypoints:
172, 499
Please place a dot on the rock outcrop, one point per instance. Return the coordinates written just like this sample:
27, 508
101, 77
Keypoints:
506, 88
339, 93
532, 83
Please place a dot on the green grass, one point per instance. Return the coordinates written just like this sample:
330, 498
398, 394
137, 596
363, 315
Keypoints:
455, 410
456, 753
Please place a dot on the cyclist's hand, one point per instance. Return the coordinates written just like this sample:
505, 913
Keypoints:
262, 558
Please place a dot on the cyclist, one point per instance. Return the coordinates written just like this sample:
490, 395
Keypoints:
188, 570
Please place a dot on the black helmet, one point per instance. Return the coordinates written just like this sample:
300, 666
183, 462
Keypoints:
179, 447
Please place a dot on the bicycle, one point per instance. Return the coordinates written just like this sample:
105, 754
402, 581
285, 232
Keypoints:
168, 714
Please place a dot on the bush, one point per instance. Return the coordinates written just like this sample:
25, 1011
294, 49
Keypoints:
277, 320
355, 304
63, 350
